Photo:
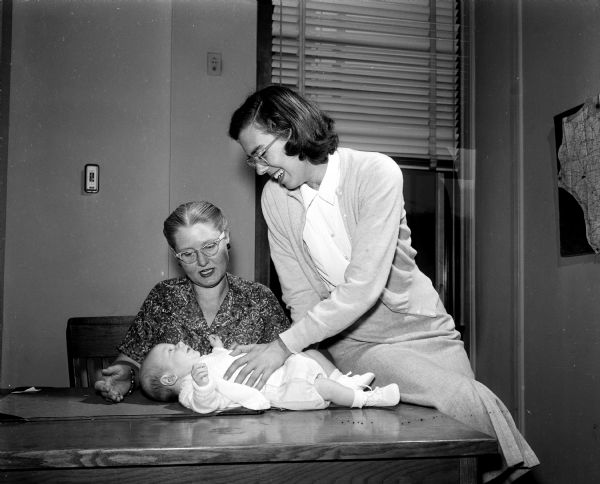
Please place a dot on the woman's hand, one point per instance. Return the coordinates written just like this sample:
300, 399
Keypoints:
115, 382
258, 363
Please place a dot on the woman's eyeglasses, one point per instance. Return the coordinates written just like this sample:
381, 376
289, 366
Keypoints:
259, 158
209, 249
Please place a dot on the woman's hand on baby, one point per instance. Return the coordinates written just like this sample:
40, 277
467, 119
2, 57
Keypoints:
200, 374
115, 382
258, 363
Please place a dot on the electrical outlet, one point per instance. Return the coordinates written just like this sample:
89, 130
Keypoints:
214, 65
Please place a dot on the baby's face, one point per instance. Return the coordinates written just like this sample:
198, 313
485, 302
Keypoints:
179, 357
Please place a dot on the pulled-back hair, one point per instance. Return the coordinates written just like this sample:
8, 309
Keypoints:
192, 213
284, 113
152, 386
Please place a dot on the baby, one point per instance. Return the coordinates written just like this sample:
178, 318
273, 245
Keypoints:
306, 381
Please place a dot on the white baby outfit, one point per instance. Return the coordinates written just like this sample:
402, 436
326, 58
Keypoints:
290, 386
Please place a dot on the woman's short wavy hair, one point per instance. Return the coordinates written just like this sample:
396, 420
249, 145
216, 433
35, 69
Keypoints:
192, 213
283, 112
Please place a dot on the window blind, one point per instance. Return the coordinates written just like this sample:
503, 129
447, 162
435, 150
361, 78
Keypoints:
387, 71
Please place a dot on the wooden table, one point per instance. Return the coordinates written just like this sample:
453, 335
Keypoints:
149, 442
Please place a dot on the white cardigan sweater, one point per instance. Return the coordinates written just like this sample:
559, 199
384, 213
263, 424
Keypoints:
382, 265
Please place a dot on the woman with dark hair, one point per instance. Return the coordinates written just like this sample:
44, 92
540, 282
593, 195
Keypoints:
206, 301
342, 250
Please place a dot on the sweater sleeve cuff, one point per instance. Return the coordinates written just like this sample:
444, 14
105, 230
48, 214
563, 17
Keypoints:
289, 339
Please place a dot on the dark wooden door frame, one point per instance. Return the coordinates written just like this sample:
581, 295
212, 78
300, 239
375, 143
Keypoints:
263, 267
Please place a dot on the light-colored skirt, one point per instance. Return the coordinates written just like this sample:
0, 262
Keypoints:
426, 358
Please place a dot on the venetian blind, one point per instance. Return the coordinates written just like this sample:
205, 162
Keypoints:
387, 71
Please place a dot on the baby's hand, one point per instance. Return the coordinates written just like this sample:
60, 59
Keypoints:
200, 374
215, 341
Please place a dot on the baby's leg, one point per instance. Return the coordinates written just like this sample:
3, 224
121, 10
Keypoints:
342, 395
355, 382
322, 360
334, 392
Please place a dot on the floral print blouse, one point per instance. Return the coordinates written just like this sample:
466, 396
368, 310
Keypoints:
250, 313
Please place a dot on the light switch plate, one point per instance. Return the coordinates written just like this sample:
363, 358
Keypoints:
91, 179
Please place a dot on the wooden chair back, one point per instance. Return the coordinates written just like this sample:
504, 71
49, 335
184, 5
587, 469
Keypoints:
92, 345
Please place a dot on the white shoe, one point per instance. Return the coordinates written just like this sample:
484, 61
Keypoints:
356, 382
386, 396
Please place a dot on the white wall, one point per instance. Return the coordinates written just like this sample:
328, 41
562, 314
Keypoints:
123, 84
205, 163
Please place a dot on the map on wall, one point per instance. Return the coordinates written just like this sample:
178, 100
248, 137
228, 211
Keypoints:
578, 156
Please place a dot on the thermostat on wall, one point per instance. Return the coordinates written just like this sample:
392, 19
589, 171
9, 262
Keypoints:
92, 172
